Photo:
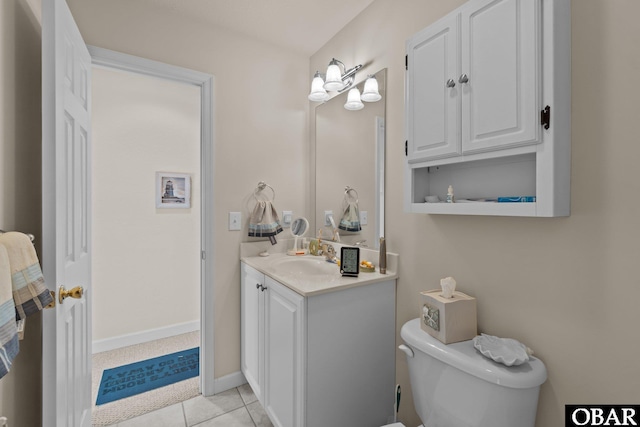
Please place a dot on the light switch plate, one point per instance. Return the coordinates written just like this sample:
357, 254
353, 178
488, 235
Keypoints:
235, 221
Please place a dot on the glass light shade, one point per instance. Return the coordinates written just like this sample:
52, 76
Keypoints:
318, 94
353, 100
334, 78
370, 92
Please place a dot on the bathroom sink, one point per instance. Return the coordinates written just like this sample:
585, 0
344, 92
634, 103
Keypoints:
302, 267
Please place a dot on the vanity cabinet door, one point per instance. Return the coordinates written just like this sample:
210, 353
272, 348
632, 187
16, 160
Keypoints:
501, 42
284, 355
433, 101
252, 328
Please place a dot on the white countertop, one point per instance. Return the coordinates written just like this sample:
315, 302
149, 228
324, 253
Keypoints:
309, 286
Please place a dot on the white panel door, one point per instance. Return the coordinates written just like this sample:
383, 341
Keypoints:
432, 92
500, 59
284, 358
66, 214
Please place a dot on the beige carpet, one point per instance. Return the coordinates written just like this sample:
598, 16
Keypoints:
130, 407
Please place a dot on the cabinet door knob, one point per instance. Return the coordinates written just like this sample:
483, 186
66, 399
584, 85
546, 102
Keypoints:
463, 79
451, 83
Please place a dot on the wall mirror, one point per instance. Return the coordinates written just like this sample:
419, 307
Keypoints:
350, 147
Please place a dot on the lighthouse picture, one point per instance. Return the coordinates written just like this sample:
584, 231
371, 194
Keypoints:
173, 190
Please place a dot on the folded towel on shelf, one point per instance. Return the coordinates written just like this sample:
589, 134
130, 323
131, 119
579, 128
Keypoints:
8, 331
264, 221
30, 294
351, 218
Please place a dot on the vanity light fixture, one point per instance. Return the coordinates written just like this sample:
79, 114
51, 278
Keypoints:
318, 92
370, 92
337, 79
353, 100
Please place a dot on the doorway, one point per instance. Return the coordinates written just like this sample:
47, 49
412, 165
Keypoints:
152, 279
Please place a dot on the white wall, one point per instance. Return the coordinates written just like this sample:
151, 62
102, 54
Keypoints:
20, 186
567, 287
146, 261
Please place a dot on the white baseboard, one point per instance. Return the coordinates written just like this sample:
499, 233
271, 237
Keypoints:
234, 379
144, 336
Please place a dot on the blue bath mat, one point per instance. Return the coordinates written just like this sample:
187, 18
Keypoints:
135, 378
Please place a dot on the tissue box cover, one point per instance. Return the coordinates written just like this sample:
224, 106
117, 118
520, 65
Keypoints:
449, 319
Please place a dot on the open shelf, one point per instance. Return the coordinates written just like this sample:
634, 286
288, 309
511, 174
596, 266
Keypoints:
481, 179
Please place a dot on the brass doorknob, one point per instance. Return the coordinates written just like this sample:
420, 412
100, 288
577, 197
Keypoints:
73, 293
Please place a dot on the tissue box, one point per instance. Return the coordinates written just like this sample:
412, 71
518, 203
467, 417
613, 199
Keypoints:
449, 319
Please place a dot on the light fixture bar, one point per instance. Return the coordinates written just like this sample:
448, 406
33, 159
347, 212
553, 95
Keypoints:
352, 72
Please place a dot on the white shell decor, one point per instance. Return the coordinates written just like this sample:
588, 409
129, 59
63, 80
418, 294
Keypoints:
507, 351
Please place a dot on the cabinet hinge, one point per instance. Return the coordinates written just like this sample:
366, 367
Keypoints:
406, 148
203, 255
406, 62
545, 117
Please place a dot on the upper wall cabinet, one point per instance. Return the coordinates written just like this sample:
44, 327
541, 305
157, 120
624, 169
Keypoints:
488, 109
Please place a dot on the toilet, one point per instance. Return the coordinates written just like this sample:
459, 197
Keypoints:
455, 386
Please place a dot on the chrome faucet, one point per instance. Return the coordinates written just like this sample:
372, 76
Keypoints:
329, 252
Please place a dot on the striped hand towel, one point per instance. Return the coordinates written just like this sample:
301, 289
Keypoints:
8, 330
264, 221
30, 294
351, 218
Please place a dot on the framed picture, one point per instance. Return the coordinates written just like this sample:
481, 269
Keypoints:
173, 190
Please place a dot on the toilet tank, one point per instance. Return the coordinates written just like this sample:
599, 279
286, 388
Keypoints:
455, 386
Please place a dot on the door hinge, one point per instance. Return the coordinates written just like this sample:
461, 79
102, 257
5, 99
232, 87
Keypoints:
406, 148
545, 117
406, 62
204, 255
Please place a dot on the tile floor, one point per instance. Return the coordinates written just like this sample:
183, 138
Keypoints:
237, 407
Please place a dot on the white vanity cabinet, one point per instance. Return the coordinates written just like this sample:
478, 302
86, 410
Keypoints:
478, 85
319, 360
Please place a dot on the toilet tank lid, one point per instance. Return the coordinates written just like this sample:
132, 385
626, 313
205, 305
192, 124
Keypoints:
463, 356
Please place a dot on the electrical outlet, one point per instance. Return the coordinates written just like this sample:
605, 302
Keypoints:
235, 221
327, 215
364, 218
287, 217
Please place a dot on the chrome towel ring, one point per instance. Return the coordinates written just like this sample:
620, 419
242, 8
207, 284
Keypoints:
347, 194
29, 235
260, 188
